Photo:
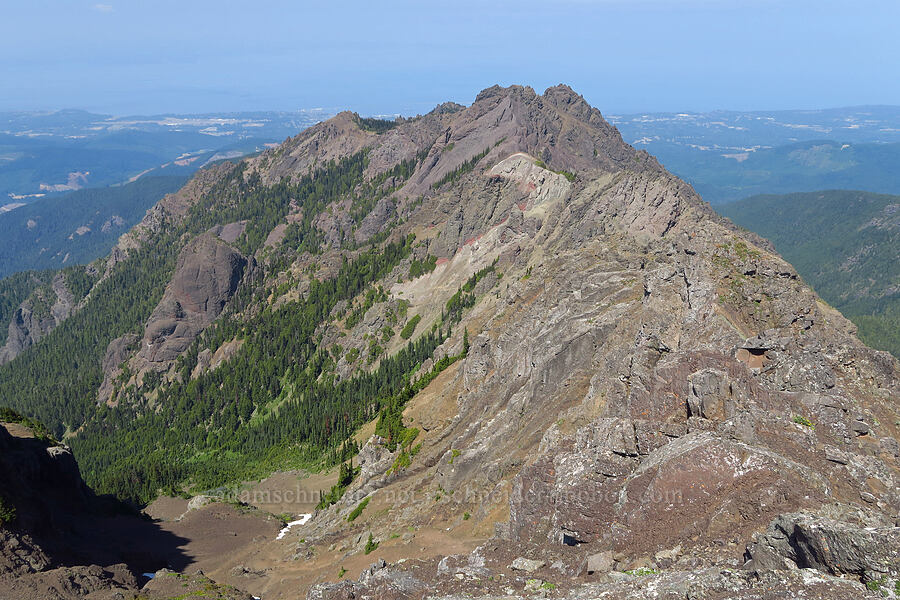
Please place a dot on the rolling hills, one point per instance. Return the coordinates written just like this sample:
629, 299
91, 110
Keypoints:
44, 153
729, 155
77, 227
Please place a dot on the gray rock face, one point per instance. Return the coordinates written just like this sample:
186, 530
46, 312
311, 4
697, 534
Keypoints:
828, 545
602, 562
526, 564
377, 581
36, 317
206, 276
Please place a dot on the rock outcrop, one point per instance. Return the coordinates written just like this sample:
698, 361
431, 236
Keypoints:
37, 316
206, 277
867, 550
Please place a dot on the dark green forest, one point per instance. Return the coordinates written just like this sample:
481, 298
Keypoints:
278, 402
42, 235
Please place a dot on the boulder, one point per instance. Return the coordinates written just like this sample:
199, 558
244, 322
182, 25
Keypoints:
835, 547
526, 564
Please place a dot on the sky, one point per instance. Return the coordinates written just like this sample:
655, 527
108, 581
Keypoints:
157, 56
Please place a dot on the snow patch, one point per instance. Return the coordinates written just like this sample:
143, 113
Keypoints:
301, 521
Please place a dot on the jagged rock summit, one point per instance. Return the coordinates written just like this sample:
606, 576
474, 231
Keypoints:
634, 396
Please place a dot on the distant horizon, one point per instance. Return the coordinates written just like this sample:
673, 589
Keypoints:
386, 115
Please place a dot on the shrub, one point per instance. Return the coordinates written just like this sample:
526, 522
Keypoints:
7, 512
371, 545
874, 585
402, 461
345, 477
358, 510
7, 415
375, 125
420, 267
801, 420
461, 170
410, 327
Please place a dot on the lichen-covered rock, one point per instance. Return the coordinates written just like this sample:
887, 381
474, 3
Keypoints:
807, 541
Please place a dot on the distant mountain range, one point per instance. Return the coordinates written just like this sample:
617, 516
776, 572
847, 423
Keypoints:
44, 153
845, 244
726, 155
730, 155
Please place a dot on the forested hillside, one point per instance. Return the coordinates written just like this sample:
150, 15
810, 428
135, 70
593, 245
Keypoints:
278, 402
77, 227
845, 244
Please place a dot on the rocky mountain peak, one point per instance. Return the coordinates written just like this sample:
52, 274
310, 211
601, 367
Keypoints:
447, 107
524, 92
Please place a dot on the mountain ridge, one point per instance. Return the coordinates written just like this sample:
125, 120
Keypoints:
842, 242
585, 335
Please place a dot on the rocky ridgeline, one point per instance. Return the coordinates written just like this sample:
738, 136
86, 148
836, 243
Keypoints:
650, 395
653, 404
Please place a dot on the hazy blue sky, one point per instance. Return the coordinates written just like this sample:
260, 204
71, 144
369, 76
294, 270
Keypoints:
150, 56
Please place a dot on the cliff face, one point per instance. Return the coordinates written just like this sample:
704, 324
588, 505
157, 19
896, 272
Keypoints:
206, 276
36, 317
58, 541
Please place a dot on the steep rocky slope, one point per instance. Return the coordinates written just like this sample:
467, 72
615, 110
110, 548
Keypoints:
582, 379
843, 243
58, 541
41, 312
